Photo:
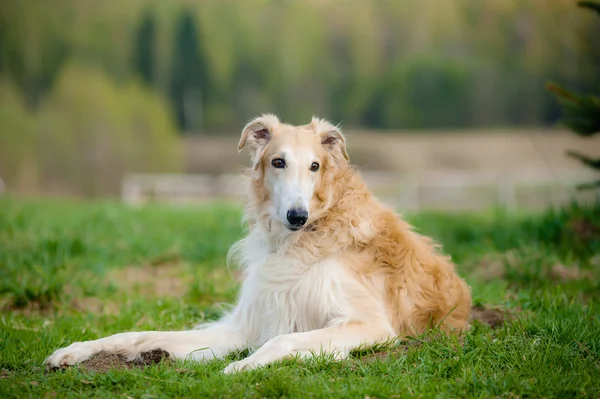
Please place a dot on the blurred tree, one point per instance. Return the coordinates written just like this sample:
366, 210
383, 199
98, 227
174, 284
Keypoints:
93, 131
189, 81
422, 92
18, 166
144, 49
221, 62
33, 46
581, 112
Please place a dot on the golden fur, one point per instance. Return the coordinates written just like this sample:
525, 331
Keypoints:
350, 273
421, 285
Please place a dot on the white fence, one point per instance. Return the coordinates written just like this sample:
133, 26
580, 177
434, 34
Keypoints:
448, 190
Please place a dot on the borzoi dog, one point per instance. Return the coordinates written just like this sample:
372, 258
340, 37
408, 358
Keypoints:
326, 267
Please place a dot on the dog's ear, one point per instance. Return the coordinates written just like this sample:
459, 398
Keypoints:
331, 137
258, 132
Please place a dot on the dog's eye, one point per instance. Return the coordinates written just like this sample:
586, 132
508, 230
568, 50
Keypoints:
278, 163
314, 167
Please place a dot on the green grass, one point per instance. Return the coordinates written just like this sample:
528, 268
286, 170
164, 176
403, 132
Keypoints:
75, 271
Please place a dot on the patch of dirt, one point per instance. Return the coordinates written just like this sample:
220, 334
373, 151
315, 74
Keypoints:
563, 273
96, 305
160, 278
153, 357
492, 267
33, 307
489, 268
377, 355
585, 229
164, 280
164, 276
494, 318
169, 258
103, 361
397, 351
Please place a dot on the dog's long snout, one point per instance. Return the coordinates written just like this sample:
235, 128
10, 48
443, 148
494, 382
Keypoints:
297, 217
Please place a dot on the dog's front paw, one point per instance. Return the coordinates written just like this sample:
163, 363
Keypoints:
272, 351
239, 366
75, 353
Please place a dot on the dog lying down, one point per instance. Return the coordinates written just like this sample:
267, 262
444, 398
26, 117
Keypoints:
326, 267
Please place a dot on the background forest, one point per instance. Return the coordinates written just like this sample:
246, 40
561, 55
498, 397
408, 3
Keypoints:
83, 82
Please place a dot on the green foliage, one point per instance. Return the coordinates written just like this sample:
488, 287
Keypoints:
144, 59
590, 5
581, 112
63, 257
572, 231
17, 138
92, 131
34, 47
189, 76
86, 135
411, 95
219, 63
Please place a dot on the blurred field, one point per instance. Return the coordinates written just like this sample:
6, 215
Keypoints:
81, 270
450, 170
504, 151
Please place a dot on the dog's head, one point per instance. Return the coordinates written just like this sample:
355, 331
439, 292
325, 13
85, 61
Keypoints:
293, 166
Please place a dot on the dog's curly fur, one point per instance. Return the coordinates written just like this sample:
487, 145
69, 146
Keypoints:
355, 274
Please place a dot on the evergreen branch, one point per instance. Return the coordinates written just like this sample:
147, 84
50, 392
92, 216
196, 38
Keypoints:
581, 113
590, 5
591, 162
562, 93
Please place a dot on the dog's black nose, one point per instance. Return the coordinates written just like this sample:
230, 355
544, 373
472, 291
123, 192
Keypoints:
297, 217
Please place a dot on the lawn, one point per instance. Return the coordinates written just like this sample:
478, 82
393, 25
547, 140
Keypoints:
74, 271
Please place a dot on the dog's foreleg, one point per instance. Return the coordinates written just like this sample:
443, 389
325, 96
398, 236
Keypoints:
337, 340
214, 341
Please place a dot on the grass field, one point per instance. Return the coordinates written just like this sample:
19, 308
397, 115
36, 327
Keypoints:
74, 271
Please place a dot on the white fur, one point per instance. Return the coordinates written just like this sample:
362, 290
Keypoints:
294, 185
286, 307
292, 301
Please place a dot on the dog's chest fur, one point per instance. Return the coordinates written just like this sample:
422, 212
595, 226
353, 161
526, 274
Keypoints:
287, 295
